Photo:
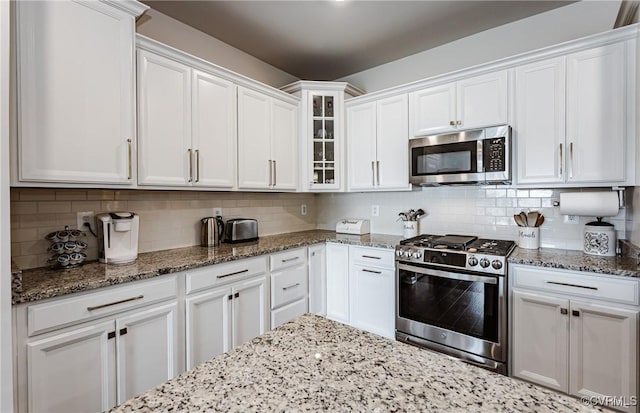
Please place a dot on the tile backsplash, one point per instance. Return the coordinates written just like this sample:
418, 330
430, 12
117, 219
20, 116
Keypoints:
168, 219
484, 211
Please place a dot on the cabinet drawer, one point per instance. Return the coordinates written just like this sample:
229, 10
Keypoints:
288, 312
576, 283
66, 311
372, 257
288, 285
213, 275
288, 258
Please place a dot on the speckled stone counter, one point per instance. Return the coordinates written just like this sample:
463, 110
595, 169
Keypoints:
314, 364
41, 283
624, 266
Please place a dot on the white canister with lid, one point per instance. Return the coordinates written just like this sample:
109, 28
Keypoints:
600, 238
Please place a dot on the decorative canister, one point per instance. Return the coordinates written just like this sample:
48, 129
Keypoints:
410, 229
529, 237
600, 238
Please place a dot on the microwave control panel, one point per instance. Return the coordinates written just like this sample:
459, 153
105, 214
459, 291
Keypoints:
494, 155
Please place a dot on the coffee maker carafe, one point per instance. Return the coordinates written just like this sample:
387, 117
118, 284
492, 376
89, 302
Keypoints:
117, 237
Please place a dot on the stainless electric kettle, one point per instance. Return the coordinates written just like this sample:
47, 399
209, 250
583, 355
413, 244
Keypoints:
212, 230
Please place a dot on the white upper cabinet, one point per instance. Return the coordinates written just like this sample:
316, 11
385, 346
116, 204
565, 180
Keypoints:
469, 103
186, 124
377, 134
75, 91
267, 142
540, 121
573, 124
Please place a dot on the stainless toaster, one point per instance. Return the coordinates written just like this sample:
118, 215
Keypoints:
240, 230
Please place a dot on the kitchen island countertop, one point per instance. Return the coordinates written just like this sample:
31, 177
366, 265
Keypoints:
41, 283
314, 364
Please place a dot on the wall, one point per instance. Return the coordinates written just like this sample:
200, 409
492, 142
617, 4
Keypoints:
170, 31
483, 211
168, 219
556, 26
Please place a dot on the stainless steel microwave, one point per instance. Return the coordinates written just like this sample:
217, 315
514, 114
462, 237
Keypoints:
479, 156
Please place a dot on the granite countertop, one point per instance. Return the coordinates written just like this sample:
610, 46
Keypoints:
40, 283
625, 266
314, 364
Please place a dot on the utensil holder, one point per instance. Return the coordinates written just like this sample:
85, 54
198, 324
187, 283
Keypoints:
410, 228
529, 237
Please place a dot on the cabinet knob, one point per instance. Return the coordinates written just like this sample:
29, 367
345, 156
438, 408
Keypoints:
564, 311
575, 313
452, 122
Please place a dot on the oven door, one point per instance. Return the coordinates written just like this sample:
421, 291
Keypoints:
446, 159
458, 310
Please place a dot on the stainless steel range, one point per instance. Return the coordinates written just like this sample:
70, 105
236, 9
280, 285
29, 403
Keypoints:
451, 297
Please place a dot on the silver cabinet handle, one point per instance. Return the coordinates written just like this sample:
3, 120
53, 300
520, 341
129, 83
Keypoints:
378, 171
270, 173
573, 285
275, 173
561, 160
291, 259
291, 286
571, 160
130, 144
126, 300
459, 122
197, 165
190, 165
372, 271
373, 173
232, 273
373, 257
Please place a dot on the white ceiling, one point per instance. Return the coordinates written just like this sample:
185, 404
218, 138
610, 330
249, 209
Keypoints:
326, 40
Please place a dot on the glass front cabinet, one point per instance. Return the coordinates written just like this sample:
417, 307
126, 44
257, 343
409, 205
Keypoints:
322, 135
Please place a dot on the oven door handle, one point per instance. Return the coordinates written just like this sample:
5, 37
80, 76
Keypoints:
450, 275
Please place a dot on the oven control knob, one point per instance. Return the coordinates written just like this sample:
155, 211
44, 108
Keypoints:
484, 263
473, 261
496, 264
399, 253
417, 255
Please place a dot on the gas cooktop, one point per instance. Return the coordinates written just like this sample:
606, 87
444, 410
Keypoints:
456, 251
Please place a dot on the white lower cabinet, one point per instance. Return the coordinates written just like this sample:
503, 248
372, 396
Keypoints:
338, 282
318, 279
289, 285
226, 305
93, 366
572, 343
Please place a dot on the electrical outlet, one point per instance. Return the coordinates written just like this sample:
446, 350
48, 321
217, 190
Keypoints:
375, 210
303, 209
217, 212
85, 217
571, 219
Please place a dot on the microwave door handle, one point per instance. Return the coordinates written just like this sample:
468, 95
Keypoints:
479, 156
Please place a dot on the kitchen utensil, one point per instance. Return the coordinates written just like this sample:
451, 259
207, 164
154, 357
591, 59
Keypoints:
523, 217
532, 217
211, 231
540, 220
518, 220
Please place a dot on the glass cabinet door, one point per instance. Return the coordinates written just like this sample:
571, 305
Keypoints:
323, 136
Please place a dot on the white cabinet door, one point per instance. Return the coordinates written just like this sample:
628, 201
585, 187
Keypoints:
318, 280
73, 371
393, 143
361, 132
147, 349
164, 121
75, 92
372, 300
540, 122
213, 131
541, 339
604, 351
596, 112
482, 100
433, 110
338, 282
284, 144
208, 327
254, 143
250, 310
